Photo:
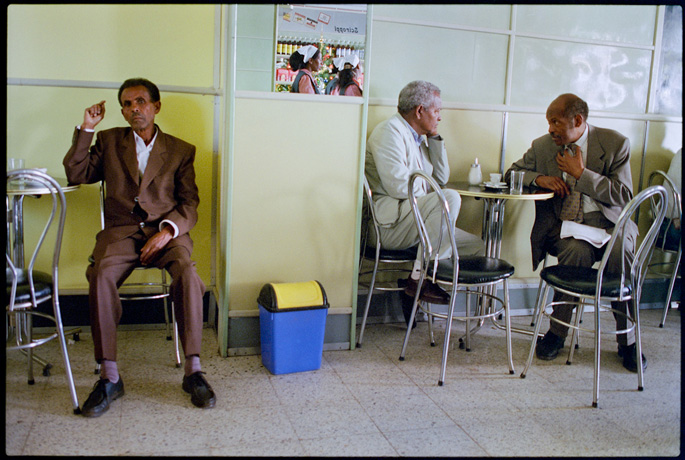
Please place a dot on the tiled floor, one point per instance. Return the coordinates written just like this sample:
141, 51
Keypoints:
361, 403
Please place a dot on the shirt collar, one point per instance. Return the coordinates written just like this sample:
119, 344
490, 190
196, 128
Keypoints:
417, 137
140, 143
582, 140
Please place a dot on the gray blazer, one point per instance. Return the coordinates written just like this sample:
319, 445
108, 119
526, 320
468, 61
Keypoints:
391, 156
607, 179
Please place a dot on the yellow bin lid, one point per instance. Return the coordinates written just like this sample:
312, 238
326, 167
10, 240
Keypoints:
283, 296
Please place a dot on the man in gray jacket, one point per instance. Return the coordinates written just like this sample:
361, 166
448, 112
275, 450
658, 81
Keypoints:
405, 142
588, 169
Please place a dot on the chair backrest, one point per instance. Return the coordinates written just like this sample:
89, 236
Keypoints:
430, 248
675, 209
57, 217
369, 216
659, 198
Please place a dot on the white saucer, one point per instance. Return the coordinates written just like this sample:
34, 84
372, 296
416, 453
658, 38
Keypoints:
498, 185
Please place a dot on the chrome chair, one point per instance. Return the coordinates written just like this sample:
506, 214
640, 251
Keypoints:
395, 260
470, 275
28, 287
665, 245
162, 286
597, 287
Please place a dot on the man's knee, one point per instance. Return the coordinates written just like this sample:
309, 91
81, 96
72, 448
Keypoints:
576, 252
454, 202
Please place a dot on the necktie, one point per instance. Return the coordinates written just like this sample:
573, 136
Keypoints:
571, 208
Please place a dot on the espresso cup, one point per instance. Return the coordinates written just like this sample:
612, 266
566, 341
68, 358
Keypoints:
495, 178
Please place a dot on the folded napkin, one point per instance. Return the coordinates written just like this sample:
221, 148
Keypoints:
593, 235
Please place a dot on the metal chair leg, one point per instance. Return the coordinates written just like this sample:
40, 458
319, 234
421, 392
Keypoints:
507, 322
430, 324
175, 326
595, 388
165, 291
411, 317
538, 321
448, 330
368, 302
671, 285
575, 335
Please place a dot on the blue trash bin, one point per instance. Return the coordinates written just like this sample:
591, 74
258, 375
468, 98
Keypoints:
292, 322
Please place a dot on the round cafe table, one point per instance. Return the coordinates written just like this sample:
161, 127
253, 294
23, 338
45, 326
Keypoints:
494, 200
15, 212
493, 209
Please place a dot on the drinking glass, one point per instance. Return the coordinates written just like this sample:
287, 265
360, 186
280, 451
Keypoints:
516, 182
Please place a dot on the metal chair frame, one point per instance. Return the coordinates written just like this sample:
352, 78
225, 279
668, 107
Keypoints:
484, 291
381, 256
629, 284
677, 205
19, 315
163, 285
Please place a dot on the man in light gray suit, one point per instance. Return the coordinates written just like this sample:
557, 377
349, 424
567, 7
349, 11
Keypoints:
405, 142
593, 164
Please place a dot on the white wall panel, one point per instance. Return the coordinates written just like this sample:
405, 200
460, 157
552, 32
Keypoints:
467, 66
615, 23
490, 16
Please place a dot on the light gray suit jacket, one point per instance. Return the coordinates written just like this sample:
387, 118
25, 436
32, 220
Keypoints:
607, 179
391, 156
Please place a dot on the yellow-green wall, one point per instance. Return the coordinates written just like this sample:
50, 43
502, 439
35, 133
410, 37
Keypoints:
282, 189
98, 45
294, 197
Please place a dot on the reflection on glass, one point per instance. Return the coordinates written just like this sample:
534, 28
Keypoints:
609, 78
669, 100
337, 30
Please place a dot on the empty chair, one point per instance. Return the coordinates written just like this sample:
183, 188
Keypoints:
669, 242
471, 275
27, 287
389, 260
598, 287
162, 286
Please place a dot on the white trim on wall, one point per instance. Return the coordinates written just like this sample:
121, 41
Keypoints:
377, 101
205, 91
510, 32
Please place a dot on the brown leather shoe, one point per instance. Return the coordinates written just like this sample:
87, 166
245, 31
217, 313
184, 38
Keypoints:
430, 292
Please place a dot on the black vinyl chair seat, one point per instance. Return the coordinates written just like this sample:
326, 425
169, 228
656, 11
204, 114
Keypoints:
42, 282
391, 254
473, 270
583, 280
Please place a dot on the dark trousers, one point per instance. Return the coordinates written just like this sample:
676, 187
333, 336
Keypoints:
570, 251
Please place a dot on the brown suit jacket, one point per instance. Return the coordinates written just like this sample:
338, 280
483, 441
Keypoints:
607, 179
167, 189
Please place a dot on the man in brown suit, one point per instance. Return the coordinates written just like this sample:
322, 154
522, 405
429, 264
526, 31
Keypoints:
150, 206
594, 163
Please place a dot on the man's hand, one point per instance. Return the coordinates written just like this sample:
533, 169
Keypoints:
93, 115
553, 183
155, 244
571, 164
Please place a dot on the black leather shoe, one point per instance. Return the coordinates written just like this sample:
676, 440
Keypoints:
201, 393
629, 355
548, 347
103, 393
430, 292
